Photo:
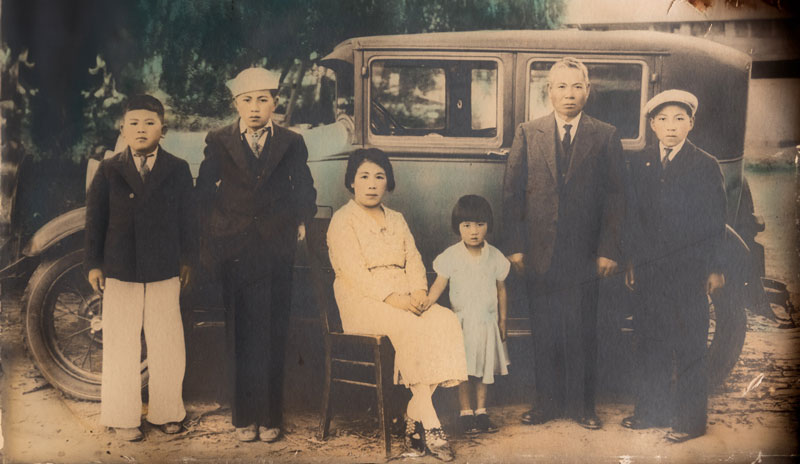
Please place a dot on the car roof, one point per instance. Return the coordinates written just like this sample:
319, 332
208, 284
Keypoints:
565, 41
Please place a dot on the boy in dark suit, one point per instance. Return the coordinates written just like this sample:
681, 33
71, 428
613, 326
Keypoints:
675, 225
257, 193
137, 235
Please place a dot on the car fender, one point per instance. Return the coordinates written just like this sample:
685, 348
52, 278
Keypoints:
55, 231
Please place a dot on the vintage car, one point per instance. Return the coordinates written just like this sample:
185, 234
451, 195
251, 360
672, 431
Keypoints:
444, 107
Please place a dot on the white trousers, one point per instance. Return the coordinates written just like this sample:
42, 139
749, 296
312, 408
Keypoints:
127, 308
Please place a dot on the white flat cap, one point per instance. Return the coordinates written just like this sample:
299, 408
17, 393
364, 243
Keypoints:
672, 96
253, 79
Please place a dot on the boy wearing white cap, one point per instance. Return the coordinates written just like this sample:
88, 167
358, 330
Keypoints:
257, 194
676, 222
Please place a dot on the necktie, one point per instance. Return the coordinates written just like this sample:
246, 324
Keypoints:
144, 169
665, 159
566, 143
254, 136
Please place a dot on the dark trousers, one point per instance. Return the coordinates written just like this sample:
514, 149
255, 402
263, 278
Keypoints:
257, 294
563, 314
671, 327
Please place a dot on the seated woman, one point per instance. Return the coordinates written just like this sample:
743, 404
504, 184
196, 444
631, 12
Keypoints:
381, 288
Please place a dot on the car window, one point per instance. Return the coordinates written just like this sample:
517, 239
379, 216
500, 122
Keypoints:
615, 95
450, 98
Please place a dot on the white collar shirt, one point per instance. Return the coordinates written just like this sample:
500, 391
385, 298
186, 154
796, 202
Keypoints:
151, 159
245, 131
662, 150
574, 123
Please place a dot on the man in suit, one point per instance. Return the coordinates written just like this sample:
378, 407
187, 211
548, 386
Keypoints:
138, 241
675, 225
258, 194
563, 205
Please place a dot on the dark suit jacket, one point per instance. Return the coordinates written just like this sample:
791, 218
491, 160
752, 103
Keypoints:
586, 212
139, 231
676, 218
272, 195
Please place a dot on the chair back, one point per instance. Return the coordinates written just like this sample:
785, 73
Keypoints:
322, 274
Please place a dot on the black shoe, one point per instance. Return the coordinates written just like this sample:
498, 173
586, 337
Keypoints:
534, 417
635, 422
467, 425
591, 422
414, 438
484, 424
680, 437
436, 444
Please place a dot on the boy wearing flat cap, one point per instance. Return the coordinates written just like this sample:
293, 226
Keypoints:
676, 223
257, 194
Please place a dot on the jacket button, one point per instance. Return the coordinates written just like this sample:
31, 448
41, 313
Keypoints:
131, 195
258, 177
255, 218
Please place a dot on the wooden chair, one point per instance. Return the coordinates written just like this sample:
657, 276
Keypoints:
340, 347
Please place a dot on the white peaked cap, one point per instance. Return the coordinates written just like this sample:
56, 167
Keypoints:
672, 96
253, 79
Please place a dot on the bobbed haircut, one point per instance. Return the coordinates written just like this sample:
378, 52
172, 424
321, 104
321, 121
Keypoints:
569, 63
145, 102
361, 156
654, 112
472, 208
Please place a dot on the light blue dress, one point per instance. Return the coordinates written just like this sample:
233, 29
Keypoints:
473, 295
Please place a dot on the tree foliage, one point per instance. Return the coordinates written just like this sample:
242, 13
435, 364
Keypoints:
185, 50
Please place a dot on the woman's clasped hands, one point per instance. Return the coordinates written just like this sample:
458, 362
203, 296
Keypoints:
416, 302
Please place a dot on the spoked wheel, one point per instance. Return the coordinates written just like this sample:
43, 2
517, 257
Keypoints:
64, 327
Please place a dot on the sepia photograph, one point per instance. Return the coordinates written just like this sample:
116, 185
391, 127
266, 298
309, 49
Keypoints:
554, 231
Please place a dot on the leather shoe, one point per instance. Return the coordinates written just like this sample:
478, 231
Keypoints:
128, 433
248, 433
590, 422
635, 423
680, 437
269, 434
534, 417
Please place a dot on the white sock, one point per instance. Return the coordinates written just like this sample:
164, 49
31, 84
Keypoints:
480, 411
467, 412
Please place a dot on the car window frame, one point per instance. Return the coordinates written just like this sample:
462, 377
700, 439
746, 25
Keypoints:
426, 143
627, 144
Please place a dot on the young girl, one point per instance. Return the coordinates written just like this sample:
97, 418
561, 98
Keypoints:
476, 272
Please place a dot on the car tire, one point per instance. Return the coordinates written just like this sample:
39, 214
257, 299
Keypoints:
729, 320
63, 327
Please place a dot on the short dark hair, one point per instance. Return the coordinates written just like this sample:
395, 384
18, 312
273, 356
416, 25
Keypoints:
660, 107
361, 156
145, 102
472, 208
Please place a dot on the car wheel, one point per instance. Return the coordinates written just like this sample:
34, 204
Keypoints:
64, 327
726, 333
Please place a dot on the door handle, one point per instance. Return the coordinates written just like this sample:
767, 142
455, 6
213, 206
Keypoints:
501, 153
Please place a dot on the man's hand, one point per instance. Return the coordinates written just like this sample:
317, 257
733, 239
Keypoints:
301, 232
97, 280
715, 282
605, 266
420, 300
403, 302
630, 279
501, 324
186, 273
517, 262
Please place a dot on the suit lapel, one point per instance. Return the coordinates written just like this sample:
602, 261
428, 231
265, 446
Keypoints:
235, 148
277, 147
161, 169
680, 163
582, 145
127, 168
545, 142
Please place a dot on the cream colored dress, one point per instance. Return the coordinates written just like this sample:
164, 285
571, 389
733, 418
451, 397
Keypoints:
372, 262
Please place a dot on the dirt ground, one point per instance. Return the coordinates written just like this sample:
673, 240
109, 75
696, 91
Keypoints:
41, 425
